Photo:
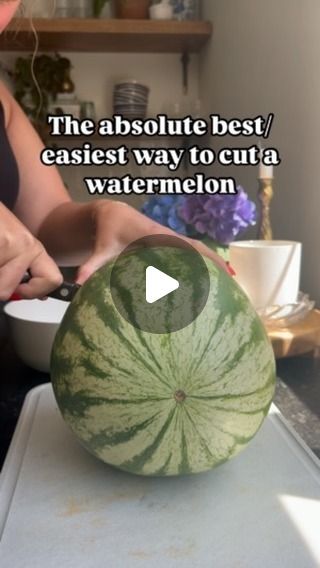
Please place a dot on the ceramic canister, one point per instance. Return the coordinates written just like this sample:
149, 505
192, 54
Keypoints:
185, 9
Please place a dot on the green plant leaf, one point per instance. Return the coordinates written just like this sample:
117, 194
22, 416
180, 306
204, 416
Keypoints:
50, 72
98, 6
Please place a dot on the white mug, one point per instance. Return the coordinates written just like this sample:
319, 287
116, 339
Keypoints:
268, 271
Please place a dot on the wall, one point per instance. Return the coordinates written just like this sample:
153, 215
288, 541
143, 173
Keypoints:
264, 57
162, 73
94, 76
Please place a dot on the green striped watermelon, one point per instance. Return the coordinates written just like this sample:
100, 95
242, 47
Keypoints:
170, 404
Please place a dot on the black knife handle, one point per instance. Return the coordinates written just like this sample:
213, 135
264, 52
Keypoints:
65, 292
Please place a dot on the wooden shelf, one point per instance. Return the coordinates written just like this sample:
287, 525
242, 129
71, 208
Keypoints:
107, 35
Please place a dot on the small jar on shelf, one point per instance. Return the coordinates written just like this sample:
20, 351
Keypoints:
66, 103
73, 9
38, 8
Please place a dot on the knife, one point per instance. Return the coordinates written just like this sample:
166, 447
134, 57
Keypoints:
65, 292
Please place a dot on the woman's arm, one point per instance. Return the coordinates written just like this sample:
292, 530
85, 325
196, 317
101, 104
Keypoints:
41, 188
103, 229
21, 251
43, 205
73, 233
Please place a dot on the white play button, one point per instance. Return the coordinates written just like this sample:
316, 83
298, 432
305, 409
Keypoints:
158, 284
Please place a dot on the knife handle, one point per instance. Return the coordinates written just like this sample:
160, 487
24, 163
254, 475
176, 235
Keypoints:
65, 292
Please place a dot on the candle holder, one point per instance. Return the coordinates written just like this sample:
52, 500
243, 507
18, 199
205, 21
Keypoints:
265, 197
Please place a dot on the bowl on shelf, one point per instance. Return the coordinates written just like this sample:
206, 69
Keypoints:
130, 99
33, 325
131, 111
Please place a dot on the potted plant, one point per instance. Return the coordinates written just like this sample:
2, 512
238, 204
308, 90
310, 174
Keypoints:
124, 9
98, 6
132, 9
37, 85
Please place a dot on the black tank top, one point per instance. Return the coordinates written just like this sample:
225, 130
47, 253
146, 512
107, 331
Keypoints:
9, 173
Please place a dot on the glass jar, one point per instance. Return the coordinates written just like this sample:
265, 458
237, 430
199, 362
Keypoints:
73, 9
38, 8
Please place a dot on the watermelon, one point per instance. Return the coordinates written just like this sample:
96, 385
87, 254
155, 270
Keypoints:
163, 404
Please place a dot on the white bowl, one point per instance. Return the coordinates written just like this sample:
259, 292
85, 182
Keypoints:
33, 325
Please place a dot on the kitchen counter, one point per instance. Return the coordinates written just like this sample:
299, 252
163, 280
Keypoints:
297, 394
86, 514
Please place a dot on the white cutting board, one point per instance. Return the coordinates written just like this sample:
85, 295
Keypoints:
61, 508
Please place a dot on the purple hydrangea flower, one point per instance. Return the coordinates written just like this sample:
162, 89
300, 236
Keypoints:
164, 209
221, 217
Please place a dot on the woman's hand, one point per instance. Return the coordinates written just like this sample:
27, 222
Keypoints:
116, 225
21, 251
